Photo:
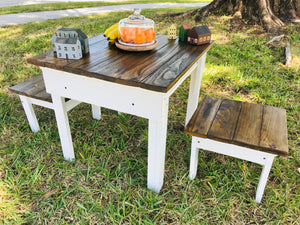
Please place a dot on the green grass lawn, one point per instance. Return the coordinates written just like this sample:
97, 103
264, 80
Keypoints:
107, 183
73, 5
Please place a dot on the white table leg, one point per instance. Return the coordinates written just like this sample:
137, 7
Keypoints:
194, 90
157, 135
96, 111
63, 127
30, 114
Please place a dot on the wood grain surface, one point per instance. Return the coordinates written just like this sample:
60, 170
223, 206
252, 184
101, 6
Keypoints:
203, 117
250, 125
34, 88
224, 124
274, 129
157, 70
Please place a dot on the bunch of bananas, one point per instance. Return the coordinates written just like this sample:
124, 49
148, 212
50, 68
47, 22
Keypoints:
112, 33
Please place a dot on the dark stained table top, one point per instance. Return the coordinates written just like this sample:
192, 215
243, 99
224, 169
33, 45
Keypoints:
157, 70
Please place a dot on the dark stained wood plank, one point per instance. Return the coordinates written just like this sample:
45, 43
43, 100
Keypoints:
117, 65
48, 59
249, 125
225, 122
95, 40
156, 70
34, 88
203, 117
166, 74
274, 130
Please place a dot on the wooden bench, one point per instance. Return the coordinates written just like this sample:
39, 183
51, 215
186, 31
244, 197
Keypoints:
33, 91
247, 131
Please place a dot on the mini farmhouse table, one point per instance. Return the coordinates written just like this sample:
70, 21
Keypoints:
138, 83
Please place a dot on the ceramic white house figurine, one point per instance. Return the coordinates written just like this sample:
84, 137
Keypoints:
68, 48
69, 43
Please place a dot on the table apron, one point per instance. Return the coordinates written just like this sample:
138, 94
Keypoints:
127, 99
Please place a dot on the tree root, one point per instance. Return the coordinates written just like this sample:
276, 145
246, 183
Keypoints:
270, 16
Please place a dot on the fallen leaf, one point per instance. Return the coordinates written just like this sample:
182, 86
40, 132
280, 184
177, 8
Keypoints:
50, 193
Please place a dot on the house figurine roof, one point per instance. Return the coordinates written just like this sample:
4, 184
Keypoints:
186, 26
66, 40
75, 30
202, 30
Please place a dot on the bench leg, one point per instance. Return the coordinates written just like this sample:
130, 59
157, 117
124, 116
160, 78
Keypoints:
194, 158
96, 111
263, 178
30, 114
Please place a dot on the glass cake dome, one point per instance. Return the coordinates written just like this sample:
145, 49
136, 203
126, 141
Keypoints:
136, 30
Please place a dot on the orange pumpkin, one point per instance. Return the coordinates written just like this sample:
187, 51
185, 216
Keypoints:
139, 36
126, 34
150, 35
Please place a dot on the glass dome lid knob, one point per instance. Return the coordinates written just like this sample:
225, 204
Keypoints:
136, 15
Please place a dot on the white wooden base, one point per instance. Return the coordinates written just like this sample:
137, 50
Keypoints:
27, 103
137, 101
262, 158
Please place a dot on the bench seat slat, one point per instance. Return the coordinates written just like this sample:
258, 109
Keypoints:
34, 88
203, 117
225, 121
249, 125
274, 130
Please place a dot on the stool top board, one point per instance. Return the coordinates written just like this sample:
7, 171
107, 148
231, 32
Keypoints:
255, 126
34, 88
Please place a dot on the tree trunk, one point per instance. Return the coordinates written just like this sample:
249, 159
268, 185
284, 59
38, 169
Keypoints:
271, 14
269, 20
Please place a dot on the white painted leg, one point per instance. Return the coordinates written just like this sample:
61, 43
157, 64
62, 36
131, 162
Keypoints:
194, 158
264, 178
194, 90
29, 111
96, 111
63, 127
157, 135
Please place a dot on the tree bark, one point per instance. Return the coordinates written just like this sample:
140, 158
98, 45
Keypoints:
270, 14
270, 21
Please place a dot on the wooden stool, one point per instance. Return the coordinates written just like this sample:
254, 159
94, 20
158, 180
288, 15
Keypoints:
247, 131
33, 91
